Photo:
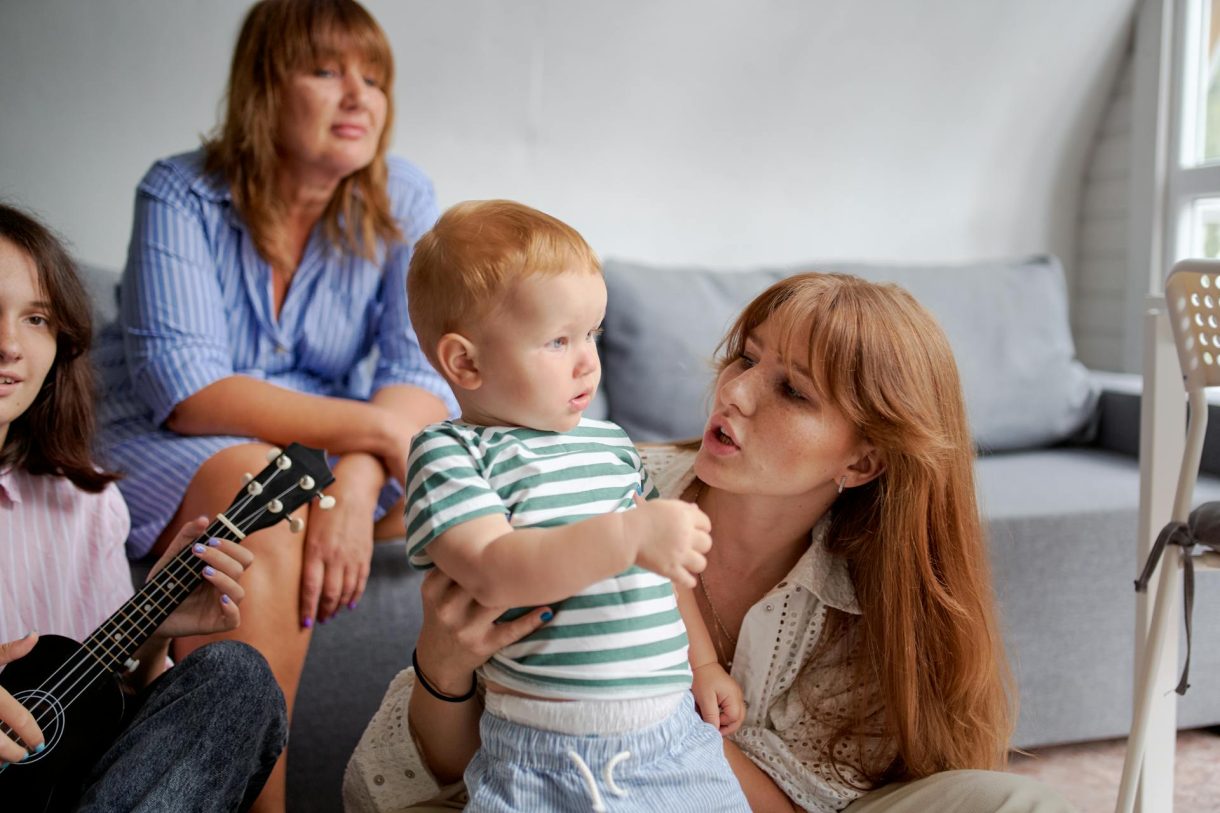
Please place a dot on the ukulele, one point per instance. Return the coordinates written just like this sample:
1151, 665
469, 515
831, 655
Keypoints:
73, 690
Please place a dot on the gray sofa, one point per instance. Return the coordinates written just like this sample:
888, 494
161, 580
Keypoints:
1057, 478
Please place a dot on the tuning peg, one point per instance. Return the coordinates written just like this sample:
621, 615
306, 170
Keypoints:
283, 463
254, 488
273, 453
275, 506
247, 477
296, 525
326, 502
306, 483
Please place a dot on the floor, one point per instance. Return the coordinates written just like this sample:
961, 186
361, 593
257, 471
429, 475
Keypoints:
1088, 773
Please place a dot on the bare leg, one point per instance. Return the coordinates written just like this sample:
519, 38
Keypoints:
269, 620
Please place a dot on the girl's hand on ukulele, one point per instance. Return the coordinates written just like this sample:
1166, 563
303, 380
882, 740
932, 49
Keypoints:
213, 605
12, 713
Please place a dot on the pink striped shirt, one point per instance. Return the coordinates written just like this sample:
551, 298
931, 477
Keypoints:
62, 564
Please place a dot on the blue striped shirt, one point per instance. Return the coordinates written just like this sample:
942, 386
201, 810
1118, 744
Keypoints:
197, 306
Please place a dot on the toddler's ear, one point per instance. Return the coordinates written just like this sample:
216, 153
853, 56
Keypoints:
457, 359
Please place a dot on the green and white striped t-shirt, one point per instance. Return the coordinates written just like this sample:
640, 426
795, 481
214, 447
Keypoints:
621, 637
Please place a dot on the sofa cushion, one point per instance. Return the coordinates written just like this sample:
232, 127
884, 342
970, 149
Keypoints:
1007, 323
102, 285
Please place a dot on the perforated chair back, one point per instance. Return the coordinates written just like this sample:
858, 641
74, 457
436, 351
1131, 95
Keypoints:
1193, 295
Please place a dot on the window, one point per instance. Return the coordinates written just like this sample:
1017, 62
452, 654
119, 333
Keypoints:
1193, 177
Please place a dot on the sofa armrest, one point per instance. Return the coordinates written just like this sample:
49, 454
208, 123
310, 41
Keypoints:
1118, 418
1118, 412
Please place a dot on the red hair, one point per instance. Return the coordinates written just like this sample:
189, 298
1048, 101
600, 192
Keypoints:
928, 634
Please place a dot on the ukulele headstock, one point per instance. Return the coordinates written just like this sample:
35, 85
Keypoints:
291, 478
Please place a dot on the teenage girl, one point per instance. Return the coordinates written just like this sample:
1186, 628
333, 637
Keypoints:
213, 724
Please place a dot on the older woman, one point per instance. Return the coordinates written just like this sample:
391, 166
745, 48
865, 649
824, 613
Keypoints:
264, 302
847, 589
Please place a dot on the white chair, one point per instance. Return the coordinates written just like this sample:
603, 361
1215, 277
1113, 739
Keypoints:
1192, 300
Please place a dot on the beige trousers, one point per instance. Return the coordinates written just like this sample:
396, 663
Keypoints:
948, 792
964, 792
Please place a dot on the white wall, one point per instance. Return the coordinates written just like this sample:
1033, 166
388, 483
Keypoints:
708, 131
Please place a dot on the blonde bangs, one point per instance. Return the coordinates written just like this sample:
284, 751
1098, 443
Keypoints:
279, 38
311, 33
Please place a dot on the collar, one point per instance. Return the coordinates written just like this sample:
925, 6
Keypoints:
824, 574
209, 186
10, 486
819, 571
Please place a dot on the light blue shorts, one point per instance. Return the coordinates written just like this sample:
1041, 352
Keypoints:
675, 765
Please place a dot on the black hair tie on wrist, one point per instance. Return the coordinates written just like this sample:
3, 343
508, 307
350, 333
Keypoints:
437, 693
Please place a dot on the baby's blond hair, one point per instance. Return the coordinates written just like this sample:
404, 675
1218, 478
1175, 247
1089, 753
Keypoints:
464, 267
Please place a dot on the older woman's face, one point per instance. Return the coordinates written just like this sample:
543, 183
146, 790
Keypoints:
770, 433
331, 118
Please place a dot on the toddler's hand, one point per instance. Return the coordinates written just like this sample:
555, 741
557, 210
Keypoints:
718, 698
672, 538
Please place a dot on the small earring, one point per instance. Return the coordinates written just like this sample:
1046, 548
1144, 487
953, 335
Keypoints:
842, 482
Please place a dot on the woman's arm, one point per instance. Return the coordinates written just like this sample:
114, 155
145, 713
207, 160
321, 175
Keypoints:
761, 791
240, 405
458, 635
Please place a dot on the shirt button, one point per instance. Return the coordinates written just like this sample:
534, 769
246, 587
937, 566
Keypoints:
410, 774
770, 607
378, 780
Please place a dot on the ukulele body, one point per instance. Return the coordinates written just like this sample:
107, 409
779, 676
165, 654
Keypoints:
80, 712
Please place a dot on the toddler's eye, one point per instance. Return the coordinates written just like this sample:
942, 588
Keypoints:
746, 361
38, 320
325, 73
594, 333
558, 344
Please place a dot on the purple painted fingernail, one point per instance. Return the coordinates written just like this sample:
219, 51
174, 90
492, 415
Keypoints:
198, 548
351, 605
224, 599
214, 542
209, 571
307, 623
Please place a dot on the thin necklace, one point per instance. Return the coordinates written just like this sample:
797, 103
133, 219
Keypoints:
721, 629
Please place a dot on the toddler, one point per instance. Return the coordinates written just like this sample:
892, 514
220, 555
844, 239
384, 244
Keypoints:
522, 501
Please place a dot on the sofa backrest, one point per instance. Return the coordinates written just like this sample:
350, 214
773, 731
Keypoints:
1007, 322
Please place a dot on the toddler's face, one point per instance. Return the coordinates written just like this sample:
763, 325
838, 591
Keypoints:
537, 354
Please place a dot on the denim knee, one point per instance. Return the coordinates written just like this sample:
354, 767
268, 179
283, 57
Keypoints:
242, 675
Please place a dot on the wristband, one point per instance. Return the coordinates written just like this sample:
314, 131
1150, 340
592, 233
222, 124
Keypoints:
437, 693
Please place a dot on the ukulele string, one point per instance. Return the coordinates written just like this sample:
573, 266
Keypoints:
93, 667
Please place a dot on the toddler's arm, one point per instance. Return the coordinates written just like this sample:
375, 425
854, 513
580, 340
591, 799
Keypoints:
506, 567
717, 695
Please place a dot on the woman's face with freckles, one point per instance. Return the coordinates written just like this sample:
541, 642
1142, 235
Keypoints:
770, 432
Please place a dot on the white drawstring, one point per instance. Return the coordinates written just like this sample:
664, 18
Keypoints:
590, 782
607, 773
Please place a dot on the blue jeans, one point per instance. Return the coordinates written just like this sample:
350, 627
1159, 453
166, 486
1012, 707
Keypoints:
205, 736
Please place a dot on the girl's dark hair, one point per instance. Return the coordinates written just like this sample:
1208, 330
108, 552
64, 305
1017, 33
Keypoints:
55, 435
